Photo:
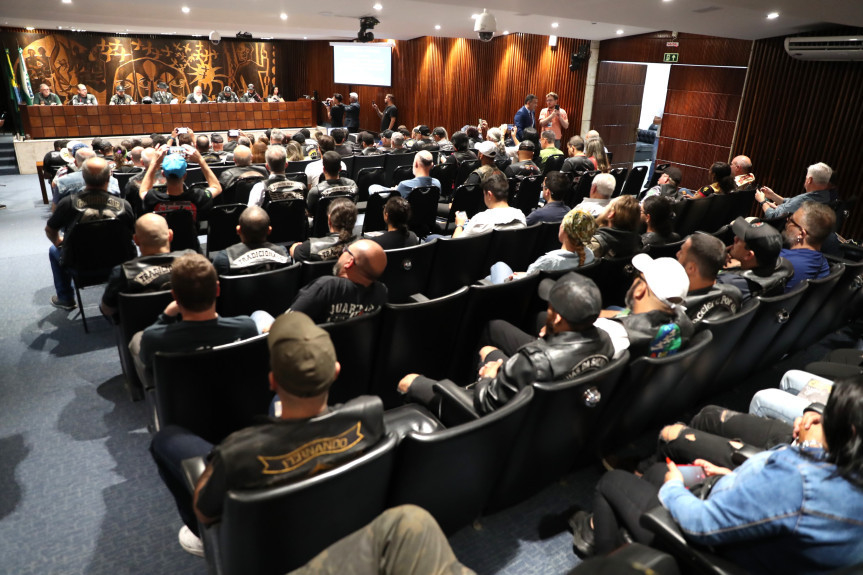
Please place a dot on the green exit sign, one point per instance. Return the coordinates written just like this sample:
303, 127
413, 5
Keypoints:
670, 57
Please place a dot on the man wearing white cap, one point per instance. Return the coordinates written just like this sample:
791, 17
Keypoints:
654, 321
487, 153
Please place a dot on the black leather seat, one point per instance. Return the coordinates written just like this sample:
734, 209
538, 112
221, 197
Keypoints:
458, 262
394, 162
124, 177
619, 180
837, 309
408, 270
445, 174
667, 250
692, 216
400, 173
271, 291
273, 531
553, 164
238, 191
515, 247
468, 199
424, 202
463, 171
415, 338
613, 277
560, 423
299, 177
527, 194
288, 220
364, 162
356, 342
368, 177
92, 250
548, 239
136, 312
222, 226
182, 223
451, 472
634, 181
641, 400
320, 225
374, 217
314, 270
581, 189
213, 392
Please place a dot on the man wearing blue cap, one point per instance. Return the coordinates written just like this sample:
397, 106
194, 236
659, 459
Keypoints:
171, 160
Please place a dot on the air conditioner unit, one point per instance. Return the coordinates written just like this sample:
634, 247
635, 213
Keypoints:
835, 48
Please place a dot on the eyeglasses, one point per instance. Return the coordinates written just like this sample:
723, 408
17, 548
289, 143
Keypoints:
347, 250
790, 220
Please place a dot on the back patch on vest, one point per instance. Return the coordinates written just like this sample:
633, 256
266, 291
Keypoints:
311, 451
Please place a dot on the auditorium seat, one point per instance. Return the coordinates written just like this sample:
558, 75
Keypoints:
356, 343
463, 171
313, 270
364, 162
288, 220
222, 227
553, 164
445, 174
666, 250
400, 173
373, 221
634, 181
560, 423
408, 270
549, 238
839, 309
458, 262
468, 199
182, 223
619, 179
515, 247
367, 177
691, 215
238, 191
402, 162
451, 472
424, 203
213, 392
320, 224
527, 192
271, 291
581, 189
276, 530
136, 312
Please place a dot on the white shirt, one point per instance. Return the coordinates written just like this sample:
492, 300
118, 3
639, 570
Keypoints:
314, 171
495, 219
594, 206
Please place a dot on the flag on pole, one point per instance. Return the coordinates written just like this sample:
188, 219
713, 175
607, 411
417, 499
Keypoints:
26, 88
16, 93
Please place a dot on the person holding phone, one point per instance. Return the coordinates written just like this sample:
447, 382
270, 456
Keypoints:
389, 115
553, 118
794, 508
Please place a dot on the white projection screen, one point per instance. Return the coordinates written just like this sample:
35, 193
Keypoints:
363, 64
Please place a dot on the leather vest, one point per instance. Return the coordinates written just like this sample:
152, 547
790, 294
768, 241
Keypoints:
719, 302
97, 205
150, 273
328, 247
254, 259
278, 187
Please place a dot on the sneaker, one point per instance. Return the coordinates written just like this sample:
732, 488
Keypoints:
582, 534
191, 542
68, 306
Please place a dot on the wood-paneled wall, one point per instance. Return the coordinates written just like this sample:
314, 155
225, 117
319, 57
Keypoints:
693, 49
449, 82
698, 123
797, 113
617, 107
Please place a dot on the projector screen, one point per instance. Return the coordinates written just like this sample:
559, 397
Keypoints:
365, 64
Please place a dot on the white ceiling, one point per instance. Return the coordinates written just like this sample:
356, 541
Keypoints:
405, 19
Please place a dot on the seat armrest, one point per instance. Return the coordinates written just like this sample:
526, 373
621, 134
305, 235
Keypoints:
403, 419
740, 456
655, 560
193, 468
660, 522
418, 298
456, 403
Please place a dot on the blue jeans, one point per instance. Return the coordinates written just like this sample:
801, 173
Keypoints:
170, 446
500, 272
784, 403
62, 278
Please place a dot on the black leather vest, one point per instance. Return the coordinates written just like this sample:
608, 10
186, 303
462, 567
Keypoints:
720, 302
328, 247
254, 259
150, 273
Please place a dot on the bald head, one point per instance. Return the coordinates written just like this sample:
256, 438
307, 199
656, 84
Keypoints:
254, 225
242, 156
741, 165
152, 234
423, 163
147, 156
135, 155
97, 173
83, 155
364, 263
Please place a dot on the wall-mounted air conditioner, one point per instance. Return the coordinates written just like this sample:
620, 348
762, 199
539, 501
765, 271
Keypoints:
835, 48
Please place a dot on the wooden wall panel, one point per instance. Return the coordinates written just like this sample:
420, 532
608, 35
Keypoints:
693, 49
617, 107
699, 119
449, 82
795, 114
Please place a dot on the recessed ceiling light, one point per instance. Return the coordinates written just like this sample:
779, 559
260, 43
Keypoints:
30, 28
185, 9
773, 15
59, 27
283, 15
554, 24
437, 27
305, 37
474, 16
378, 6
505, 32
619, 32
67, 1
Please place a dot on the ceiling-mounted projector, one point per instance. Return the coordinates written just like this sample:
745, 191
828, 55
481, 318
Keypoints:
485, 26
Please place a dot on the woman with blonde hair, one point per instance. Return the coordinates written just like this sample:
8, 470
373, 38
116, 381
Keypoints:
594, 149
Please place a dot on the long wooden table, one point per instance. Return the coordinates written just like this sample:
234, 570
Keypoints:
89, 121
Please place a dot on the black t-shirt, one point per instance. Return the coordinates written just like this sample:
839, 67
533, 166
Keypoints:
52, 162
395, 240
172, 334
389, 113
337, 115
522, 169
90, 205
195, 200
331, 299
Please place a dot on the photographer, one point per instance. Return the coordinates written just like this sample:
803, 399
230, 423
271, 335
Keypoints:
335, 110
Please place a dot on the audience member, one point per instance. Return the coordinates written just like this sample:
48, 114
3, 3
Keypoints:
423, 163
667, 184
741, 171
397, 213
316, 168
702, 256
303, 366
797, 391
498, 216
722, 183
487, 153
753, 263
617, 232
341, 219
546, 142
254, 253
817, 186
367, 141
577, 162
525, 165
554, 188
176, 195
73, 182
90, 204
601, 189
53, 160
657, 214
242, 158
397, 144
344, 147
595, 152
277, 186
441, 138
333, 183
805, 232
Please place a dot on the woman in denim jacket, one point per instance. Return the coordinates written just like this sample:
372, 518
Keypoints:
792, 509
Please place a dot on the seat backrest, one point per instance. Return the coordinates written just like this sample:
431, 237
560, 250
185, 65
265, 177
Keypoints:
214, 392
613, 277
468, 199
95, 247
366, 177
527, 194
558, 429
320, 226
553, 164
194, 175
837, 310
271, 291
299, 177
397, 163
136, 312
547, 239
445, 174
362, 162
451, 473
238, 192
619, 179
222, 226
666, 250
182, 223
374, 217
642, 398
634, 181
458, 262
124, 177
463, 171
691, 219
414, 339
407, 272
355, 341
515, 247
288, 220
314, 270
269, 532
423, 201
299, 166
719, 214
654, 177
581, 189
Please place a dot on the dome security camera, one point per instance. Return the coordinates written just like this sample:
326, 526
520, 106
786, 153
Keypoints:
485, 26
215, 38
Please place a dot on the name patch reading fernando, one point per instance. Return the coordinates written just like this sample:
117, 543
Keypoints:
305, 453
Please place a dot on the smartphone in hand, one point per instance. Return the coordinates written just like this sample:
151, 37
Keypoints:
692, 475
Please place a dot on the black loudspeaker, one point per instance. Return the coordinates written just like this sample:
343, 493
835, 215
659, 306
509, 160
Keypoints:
578, 58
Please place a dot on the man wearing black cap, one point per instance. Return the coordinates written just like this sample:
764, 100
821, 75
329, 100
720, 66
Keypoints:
569, 345
525, 165
389, 115
163, 96
753, 263
424, 141
251, 95
667, 184
227, 95
303, 366
120, 98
